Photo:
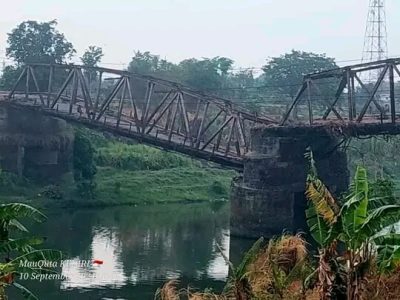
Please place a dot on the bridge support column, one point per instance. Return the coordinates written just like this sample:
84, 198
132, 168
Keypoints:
269, 197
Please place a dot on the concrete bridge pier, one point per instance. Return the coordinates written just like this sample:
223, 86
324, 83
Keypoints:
269, 197
33, 145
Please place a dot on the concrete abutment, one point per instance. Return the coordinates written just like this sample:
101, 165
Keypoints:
33, 145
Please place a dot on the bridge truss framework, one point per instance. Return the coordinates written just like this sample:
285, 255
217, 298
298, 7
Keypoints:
151, 110
348, 95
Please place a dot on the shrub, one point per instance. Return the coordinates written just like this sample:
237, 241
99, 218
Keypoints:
139, 157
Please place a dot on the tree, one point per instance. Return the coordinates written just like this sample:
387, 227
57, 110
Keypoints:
92, 56
285, 73
9, 76
360, 226
205, 74
34, 42
84, 165
145, 63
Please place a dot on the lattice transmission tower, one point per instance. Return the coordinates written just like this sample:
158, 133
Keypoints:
375, 40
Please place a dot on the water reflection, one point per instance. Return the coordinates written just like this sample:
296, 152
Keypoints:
141, 248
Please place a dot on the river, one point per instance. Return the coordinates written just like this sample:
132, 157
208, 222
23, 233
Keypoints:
140, 247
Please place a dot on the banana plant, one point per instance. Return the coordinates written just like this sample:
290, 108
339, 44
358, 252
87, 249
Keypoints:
359, 225
15, 251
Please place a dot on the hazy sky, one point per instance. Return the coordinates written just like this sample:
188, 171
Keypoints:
248, 31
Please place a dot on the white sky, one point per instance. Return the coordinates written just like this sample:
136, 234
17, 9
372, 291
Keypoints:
248, 31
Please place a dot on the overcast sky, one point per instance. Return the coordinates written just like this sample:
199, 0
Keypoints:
248, 31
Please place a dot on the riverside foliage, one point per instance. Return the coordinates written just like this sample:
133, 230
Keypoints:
358, 253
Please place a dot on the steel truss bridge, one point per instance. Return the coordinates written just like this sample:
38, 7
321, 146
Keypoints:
168, 115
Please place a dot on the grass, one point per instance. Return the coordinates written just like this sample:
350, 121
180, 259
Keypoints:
173, 185
135, 174
128, 174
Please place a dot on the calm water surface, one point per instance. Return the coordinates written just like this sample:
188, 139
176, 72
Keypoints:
141, 247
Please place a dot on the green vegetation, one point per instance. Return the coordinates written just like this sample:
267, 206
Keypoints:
18, 251
84, 167
169, 185
358, 251
108, 172
271, 91
137, 174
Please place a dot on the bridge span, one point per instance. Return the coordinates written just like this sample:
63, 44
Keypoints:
329, 107
151, 110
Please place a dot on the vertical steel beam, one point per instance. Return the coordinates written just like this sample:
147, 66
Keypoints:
353, 93
228, 146
349, 95
310, 112
28, 75
74, 90
149, 93
121, 101
96, 103
133, 103
200, 131
392, 96
35, 82
50, 85
171, 129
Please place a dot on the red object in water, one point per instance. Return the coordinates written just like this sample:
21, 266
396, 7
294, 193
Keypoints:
97, 262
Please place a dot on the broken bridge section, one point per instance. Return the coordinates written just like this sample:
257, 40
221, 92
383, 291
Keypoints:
151, 110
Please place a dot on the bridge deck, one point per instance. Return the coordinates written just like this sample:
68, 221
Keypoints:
126, 129
169, 115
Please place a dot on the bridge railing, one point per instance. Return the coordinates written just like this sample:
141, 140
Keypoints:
362, 93
142, 105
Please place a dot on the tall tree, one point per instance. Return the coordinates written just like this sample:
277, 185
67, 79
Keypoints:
33, 42
205, 74
92, 56
146, 63
285, 73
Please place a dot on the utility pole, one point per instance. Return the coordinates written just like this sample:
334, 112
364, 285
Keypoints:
375, 40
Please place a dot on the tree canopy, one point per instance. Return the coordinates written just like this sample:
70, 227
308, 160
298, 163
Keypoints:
285, 73
92, 56
32, 42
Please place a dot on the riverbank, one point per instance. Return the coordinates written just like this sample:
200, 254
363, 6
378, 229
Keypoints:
127, 174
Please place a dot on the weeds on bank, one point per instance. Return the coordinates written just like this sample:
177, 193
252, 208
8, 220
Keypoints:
358, 251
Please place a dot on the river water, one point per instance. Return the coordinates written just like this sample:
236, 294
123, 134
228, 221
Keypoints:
140, 247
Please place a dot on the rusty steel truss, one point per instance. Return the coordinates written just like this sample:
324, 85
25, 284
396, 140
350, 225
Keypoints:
345, 95
151, 110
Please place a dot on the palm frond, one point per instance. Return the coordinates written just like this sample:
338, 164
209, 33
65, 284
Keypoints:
355, 210
248, 258
379, 219
24, 245
44, 254
319, 228
19, 210
28, 295
323, 201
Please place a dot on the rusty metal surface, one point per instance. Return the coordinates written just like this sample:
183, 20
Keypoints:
152, 110
168, 115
